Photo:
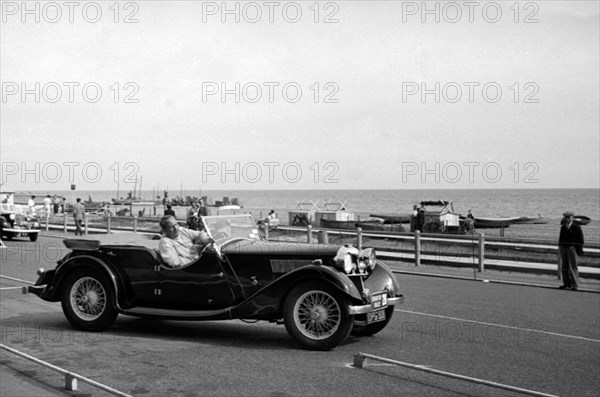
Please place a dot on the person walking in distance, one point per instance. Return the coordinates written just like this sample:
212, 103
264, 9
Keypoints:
570, 247
78, 214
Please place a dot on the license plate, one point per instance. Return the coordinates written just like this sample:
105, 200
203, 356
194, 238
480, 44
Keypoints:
376, 316
379, 300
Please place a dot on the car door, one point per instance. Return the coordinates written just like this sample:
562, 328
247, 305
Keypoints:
141, 268
202, 285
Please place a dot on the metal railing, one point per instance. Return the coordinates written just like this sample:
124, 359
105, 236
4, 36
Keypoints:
70, 377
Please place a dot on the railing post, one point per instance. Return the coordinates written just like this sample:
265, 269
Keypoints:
65, 222
70, 382
323, 237
135, 220
481, 252
108, 224
359, 238
417, 248
309, 233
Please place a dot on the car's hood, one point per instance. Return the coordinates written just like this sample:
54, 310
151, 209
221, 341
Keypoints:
278, 248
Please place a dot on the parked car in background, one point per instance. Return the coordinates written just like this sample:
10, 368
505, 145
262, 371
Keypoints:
15, 224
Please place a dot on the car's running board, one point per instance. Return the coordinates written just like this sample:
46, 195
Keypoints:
178, 314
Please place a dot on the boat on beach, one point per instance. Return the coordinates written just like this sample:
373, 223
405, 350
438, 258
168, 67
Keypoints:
392, 218
581, 220
493, 223
366, 224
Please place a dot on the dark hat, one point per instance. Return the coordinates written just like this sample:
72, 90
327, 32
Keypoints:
568, 213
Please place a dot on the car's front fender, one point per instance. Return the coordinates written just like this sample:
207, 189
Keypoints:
267, 302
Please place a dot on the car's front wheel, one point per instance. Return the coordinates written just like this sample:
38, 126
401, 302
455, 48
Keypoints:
316, 315
87, 300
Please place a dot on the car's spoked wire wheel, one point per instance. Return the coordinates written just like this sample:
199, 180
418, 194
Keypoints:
88, 298
317, 315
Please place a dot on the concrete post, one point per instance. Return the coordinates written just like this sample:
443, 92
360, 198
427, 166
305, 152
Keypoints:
359, 241
309, 233
65, 222
417, 248
481, 252
85, 225
266, 226
135, 221
108, 224
323, 237
70, 382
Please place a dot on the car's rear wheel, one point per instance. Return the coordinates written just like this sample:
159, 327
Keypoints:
87, 300
33, 236
316, 315
361, 328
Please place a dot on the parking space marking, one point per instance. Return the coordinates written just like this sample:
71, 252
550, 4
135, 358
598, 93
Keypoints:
500, 325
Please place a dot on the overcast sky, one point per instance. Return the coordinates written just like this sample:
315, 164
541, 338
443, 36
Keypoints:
343, 94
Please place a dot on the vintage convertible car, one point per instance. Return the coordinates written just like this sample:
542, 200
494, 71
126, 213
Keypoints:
321, 293
14, 224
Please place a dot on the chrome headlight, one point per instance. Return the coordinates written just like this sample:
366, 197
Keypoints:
368, 257
12, 217
345, 258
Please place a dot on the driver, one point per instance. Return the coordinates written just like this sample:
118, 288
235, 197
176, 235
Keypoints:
180, 246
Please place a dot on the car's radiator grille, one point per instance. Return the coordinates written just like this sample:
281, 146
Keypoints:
287, 265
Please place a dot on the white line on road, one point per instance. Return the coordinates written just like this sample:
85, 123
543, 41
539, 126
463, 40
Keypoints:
499, 325
360, 358
17, 279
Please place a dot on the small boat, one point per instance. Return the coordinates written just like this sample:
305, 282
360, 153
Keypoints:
581, 220
367, 224
536, 220
494, 223
392, 218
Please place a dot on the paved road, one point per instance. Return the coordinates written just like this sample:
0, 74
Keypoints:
541, 339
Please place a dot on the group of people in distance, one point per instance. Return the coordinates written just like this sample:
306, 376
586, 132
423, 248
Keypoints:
417, 220
194, 215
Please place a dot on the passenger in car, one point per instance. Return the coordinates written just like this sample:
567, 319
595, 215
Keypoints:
180, 246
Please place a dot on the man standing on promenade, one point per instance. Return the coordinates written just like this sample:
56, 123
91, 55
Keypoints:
420, 220
570, 246
78, 214
47, 207
31, 204
169, 211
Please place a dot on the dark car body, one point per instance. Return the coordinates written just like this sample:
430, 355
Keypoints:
240, 276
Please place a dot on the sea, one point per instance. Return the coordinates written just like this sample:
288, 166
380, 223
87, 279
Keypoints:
547, 203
